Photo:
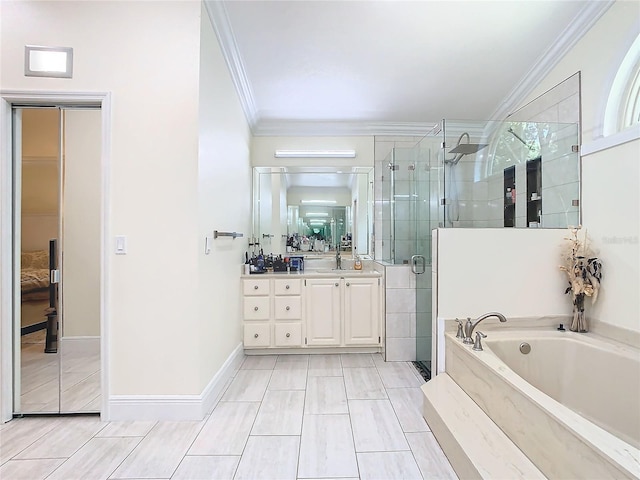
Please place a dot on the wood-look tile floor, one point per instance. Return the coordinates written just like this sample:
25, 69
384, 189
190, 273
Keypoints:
281, 417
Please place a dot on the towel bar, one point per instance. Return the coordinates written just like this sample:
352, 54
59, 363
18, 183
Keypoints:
234, 235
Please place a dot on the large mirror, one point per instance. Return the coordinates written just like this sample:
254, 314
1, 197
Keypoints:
312, 210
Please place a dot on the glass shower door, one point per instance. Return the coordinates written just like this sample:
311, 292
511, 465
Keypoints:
411, 221
422, 201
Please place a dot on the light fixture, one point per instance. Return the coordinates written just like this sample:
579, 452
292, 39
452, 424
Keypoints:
315, 154
317, 201
54, 62
316, 214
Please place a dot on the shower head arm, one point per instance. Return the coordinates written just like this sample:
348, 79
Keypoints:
519, 138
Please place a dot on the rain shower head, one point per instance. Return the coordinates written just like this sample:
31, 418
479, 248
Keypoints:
462, 149
467, 148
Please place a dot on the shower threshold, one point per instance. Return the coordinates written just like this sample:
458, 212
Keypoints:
424, 369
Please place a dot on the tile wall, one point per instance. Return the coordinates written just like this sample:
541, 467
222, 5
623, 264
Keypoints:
400, 313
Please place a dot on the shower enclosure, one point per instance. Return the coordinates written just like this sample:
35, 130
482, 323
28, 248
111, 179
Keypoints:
473, 175
410, 188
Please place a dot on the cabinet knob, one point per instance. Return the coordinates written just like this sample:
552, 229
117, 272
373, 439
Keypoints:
255, 309
287, 287
255, 287
288, 308
288, 335
336, 284
255, 336
348, 284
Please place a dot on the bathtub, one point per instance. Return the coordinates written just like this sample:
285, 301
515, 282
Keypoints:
572, 404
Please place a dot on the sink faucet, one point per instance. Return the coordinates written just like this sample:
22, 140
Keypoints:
338, 259
469, 326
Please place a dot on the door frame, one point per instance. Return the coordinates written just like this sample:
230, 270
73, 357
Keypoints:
9, 98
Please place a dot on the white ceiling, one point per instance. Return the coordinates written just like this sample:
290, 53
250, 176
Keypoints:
331, 67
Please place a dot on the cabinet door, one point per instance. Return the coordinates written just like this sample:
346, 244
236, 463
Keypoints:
323, 315
361, 311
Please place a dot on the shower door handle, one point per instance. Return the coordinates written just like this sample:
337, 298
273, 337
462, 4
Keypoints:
418, 264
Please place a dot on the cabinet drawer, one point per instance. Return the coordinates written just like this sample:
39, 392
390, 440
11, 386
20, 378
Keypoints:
257, 335
288, 335
282, 286
288, 308
255, 287
256, 308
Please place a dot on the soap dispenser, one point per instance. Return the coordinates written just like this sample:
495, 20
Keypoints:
357, 265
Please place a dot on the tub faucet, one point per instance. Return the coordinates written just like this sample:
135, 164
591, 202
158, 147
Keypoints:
338, 259
469, 326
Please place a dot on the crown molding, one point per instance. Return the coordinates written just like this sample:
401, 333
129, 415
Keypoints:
340, 128
551, 57
220, 20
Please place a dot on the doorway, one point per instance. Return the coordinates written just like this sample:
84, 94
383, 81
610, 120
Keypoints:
57, 232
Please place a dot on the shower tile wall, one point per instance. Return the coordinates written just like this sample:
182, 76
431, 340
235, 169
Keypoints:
560, 109
400, 313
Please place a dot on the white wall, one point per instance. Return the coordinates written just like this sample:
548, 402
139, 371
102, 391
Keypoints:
513, 271
131, 49
610, 203
609, 177
224, 203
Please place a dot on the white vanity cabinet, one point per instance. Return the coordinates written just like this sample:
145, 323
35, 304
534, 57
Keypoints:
311, 311
343, 311
287, 312
272, 311
256, 306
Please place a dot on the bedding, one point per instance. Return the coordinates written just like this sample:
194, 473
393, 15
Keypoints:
34, 275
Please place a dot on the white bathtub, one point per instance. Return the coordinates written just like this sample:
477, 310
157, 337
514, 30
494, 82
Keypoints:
572, 405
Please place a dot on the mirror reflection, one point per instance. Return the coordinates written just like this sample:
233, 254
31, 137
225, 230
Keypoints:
313, 210
318, 228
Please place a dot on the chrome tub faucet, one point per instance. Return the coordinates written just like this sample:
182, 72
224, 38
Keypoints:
470, 326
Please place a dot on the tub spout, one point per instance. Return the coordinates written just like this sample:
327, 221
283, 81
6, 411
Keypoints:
471, 325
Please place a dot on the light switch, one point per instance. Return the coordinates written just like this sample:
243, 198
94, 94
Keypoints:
121, 245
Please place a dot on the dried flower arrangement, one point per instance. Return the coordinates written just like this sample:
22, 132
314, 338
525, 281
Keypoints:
584, 272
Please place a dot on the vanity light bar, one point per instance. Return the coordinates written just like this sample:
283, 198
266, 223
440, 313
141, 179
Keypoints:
317, 201
315, 154
316, 214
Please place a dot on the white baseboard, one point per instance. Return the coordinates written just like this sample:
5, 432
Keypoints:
175, 407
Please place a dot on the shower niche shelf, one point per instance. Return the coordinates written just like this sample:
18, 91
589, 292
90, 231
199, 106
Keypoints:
534, 196
509, 196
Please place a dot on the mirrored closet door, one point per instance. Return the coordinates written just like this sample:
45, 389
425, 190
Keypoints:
57, 205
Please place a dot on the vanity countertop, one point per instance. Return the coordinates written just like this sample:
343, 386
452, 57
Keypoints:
317, 273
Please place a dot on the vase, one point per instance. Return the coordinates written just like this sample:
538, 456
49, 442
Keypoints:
579, 322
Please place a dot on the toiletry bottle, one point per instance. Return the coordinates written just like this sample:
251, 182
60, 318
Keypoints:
357, 265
